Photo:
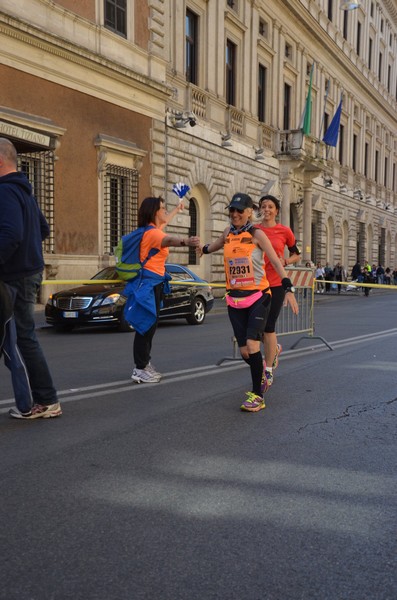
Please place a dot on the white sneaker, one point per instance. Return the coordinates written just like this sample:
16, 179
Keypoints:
145, 376
152, 369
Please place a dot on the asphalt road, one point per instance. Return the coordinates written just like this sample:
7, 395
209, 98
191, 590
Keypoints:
168, 491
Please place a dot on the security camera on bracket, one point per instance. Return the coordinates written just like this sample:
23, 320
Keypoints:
180, 120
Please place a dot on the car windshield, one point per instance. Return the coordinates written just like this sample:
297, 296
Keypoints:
109, 273
178, 273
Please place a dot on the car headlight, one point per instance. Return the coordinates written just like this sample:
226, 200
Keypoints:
51, 301
112, 299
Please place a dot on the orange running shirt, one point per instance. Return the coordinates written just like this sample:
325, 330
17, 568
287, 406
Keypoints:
152, 239
280, 236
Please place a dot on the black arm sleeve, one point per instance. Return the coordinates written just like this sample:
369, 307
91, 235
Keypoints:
294, 249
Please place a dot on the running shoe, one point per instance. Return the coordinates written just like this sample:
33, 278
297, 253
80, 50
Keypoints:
145, 376
267, 381
253, 403
279, 350
152, 369
38, 410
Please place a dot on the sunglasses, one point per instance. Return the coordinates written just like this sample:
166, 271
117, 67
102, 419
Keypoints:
239, 210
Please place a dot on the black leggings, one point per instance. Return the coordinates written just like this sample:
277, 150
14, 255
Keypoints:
143, 343
249, 323
278, 295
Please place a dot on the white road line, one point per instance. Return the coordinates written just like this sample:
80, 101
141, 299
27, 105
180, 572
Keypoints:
126, 385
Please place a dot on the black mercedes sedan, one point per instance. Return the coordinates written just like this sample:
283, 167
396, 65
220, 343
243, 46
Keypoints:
103, 304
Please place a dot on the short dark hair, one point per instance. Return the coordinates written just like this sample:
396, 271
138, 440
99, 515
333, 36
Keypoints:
147, 210
8, 151
275, 200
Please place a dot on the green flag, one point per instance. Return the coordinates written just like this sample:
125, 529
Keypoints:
308, 107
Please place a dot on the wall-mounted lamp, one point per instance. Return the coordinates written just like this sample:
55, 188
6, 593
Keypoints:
226, 143
328, 181
181, 119
259, 153
358, 195
387, 206
346, 5
343, 188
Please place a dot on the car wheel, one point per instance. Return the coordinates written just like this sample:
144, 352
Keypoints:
124, 326
197, 314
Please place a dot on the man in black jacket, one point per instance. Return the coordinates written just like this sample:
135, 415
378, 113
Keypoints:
22, 230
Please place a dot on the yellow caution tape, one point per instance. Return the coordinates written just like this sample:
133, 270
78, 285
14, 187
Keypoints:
112, 281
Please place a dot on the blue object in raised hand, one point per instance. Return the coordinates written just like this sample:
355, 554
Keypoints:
180, 189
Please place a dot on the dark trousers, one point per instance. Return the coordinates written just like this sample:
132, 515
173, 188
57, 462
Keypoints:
143, 343
25, 291
14, 362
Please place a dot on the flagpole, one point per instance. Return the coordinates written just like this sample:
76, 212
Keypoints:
323, 117
308, 106
325, 106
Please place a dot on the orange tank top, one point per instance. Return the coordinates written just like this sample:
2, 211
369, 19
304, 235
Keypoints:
244, 263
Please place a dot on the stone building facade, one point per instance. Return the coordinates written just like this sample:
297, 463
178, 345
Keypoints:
109, 101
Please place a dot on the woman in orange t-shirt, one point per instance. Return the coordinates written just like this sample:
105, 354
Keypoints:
280, 237
152, 212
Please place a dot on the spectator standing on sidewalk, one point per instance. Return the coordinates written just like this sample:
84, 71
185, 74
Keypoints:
380, 274
367, 279
319, 276
356, 271
22, 230
328, 276
339, 274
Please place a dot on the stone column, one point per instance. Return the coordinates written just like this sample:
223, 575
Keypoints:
307, 222
286, 201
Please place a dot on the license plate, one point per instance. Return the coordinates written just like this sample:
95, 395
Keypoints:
70, 314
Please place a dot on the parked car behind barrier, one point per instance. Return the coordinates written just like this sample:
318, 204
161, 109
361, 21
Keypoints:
103, 304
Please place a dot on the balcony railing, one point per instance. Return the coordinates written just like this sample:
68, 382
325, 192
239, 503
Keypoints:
234, 121
268, 137
198, 102
297, 145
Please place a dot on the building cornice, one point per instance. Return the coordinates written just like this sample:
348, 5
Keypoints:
391, 7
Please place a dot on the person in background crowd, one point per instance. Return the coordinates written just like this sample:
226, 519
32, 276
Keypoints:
319, 275
387, 276
248, 293
281, 237
339, 275
380, 272
22, 230
328, 276
367, 279
356, 271
373, 274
